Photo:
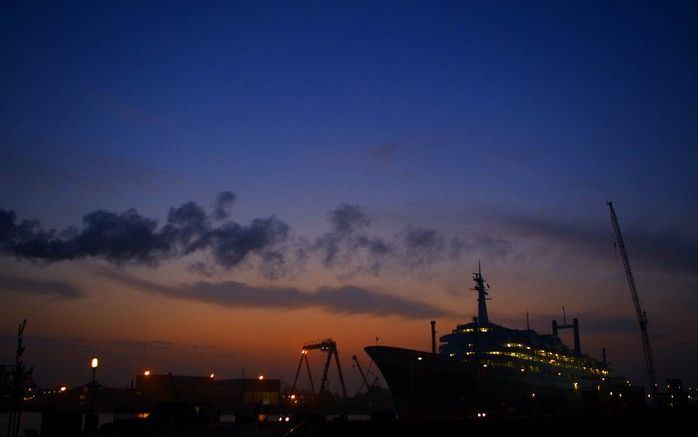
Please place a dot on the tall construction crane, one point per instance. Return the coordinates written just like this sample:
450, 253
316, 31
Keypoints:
641, 315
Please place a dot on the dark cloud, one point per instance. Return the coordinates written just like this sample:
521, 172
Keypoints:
347, 247
422, 246
119, 238
232, 243
670, 251
131, 237
55, 289
347, 244
224, 202
347, 219
342, 300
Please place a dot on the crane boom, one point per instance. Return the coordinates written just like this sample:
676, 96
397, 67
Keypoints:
641, 315
361, 371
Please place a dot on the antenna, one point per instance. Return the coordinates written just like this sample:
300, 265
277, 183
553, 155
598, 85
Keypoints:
481, 296
528, 324
564, 316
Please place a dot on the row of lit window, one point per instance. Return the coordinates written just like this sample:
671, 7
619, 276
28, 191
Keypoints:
526, 357
565, 358
480, 329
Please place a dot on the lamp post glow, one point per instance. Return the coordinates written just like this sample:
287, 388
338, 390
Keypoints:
92, 420
94, 363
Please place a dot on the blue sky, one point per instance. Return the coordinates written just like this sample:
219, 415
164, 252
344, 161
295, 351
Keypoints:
505, 119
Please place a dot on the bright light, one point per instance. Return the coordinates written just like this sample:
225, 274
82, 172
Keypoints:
260, 377
293, 396
63, 388
146, 373
287, 419
212, 375
304, 352
533, 395
576, 386
522, 369
94, 363
419, 358
484, 365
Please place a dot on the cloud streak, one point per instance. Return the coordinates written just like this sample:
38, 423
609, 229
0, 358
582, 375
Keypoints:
669, 251
340, 300
56, 289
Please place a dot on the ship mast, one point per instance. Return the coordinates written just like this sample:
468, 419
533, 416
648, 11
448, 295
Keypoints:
482, 298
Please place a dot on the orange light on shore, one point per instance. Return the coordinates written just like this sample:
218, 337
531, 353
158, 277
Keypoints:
212, 375
146, 373
94, 363
63, 389
260, 377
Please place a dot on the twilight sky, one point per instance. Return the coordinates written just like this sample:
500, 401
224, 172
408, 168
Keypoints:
198, 186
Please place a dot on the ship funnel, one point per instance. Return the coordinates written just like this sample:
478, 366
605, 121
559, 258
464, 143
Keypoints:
575, 329
433, 337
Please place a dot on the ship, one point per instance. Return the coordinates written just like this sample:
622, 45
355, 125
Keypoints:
483, 369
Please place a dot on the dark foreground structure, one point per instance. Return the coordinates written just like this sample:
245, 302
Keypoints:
668, 420
486, 370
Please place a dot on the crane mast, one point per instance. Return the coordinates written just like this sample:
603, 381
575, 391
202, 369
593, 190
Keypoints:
641, 315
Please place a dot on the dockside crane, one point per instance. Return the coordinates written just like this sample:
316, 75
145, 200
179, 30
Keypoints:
641, 315
369, 386
328, 346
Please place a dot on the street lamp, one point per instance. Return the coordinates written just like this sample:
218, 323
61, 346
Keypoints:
92, 420
94, 363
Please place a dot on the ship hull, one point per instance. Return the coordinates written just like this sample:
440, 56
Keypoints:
431, 385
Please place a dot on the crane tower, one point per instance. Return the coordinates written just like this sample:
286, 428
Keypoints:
641, 315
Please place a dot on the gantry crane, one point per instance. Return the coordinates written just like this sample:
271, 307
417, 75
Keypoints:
369, 386
641, 315
330, 347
